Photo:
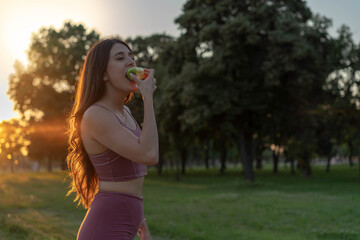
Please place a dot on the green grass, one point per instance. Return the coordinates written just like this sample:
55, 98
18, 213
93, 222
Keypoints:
203, 205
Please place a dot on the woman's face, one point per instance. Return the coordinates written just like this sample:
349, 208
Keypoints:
120, 60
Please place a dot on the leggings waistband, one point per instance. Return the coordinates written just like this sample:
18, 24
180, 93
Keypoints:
119, 194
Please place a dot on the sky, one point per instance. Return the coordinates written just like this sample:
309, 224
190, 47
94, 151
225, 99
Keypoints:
127, 18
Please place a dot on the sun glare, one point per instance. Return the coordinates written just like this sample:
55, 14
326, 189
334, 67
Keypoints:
20, 18
16, 31
20, 40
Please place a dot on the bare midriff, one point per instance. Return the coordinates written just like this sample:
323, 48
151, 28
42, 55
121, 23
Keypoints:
131, 187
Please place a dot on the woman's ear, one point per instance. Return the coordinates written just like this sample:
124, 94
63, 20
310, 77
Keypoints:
106, 77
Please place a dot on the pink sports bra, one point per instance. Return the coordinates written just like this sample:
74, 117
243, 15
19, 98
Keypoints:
112, 167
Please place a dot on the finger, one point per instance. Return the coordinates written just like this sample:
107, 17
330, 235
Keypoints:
151, 73
133, 77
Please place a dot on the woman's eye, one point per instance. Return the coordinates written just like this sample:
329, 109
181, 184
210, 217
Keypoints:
120, 59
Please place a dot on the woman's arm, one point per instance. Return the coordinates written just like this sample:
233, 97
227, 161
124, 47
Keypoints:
105, 129
144, 232
149, 134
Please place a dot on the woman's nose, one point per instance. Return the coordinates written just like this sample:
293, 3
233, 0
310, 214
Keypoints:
131, 62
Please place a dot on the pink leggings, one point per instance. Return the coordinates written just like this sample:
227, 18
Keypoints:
112, 216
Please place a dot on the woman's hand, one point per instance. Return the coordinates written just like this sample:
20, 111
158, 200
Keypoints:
147, 86
144, 232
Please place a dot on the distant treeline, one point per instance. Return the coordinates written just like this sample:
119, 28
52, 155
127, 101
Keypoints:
242, 79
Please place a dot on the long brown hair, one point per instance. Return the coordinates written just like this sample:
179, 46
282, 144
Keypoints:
89, 89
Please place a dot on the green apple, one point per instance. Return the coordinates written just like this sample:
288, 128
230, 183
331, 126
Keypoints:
137, 71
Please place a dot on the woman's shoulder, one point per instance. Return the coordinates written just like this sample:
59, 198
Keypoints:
96, 115
93, 111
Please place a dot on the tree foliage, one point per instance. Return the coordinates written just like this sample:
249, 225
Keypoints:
42, 91
243, 77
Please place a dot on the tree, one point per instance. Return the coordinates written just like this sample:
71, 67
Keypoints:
43, 90
245, 69
12, 144
343, 87
296, 68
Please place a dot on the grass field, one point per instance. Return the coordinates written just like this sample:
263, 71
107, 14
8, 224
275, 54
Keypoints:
203, 205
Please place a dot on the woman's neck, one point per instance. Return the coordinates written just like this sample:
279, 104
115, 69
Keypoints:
114, 99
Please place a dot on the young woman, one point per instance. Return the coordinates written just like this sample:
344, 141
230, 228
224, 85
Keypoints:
108, 152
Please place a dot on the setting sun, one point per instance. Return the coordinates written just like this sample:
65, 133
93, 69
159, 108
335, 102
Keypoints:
18, 20
17, 36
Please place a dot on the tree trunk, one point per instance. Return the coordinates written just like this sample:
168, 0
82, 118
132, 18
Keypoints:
183, 152
177, 172
172, 164
351, 148
359, 164
328, 164
159, 166
11, 163
292, 162
259, 162
223, 154
207, 155
63, 165
275, 161
289, 158
245, 149
305, 167
49, 166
